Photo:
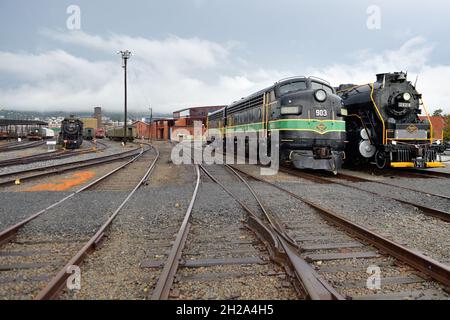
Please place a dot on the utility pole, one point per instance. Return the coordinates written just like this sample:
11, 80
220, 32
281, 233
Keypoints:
125, 56
151, 119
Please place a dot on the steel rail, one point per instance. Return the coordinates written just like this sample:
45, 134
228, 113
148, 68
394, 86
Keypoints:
59, 165
9, 233
284, 252
353, 178
440, 214
21, 146
165, 281
60, 168
61, 154
431, 267
55, 285
430, 173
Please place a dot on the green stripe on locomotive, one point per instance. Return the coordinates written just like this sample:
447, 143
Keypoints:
313, 125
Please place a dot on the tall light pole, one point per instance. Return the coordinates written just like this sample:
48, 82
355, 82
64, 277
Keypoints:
125, 56
151, 118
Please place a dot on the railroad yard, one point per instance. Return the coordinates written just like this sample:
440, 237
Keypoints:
140, 227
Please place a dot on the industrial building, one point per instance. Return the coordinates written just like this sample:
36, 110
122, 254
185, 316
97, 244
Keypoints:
90, 123
13, 129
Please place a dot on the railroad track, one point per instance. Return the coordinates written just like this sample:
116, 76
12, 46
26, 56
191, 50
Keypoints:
21, 146
353, 178
35, 264
408, 173
340, 251
429, 173
442, 214
60, 154
221, 250
34, 173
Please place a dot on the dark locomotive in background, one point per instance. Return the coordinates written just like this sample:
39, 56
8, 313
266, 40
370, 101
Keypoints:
71, 135
307, 113
383, 124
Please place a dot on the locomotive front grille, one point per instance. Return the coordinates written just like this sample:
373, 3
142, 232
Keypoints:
413, 154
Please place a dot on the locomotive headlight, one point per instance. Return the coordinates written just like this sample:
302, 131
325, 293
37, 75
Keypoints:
320, 95
291, 110
406, 96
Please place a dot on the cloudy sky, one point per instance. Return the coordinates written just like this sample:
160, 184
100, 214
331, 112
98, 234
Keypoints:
201, 52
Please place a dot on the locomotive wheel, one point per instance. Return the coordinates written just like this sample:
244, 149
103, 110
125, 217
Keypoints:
380, 160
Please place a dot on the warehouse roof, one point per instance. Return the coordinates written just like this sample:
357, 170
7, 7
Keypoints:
9, 122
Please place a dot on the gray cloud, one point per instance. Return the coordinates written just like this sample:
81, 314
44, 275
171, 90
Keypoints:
175, 72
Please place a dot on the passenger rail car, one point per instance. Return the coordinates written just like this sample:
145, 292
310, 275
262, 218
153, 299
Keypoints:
383, 124
40, 134
71, 135
307, 113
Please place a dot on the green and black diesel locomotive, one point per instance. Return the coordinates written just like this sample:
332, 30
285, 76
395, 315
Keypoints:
307, 113
384, 127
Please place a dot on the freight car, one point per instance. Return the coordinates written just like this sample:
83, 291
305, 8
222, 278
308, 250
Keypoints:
116, 134
100, 133
88, 133
71, 135
34, 134
383, 125
307, 113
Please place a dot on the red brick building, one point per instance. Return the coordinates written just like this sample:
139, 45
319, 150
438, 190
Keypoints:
142, 129
181, 126
184, 120
438, 124
161, 129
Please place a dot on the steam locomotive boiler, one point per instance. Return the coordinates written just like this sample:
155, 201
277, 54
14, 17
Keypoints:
71, 135
383, 124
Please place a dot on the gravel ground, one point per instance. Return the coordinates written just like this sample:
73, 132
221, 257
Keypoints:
301, 220
17, 206
407, 195
68, 181
217, 232
79, 216
439, 186
63, 230
6, 155
143, 230
113, 148
114, 272
402, 223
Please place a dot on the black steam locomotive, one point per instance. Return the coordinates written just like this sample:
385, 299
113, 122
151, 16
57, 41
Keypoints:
307, 113
71, 135
383, 124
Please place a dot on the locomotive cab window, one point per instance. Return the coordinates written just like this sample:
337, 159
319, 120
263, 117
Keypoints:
317, 86
292, 87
